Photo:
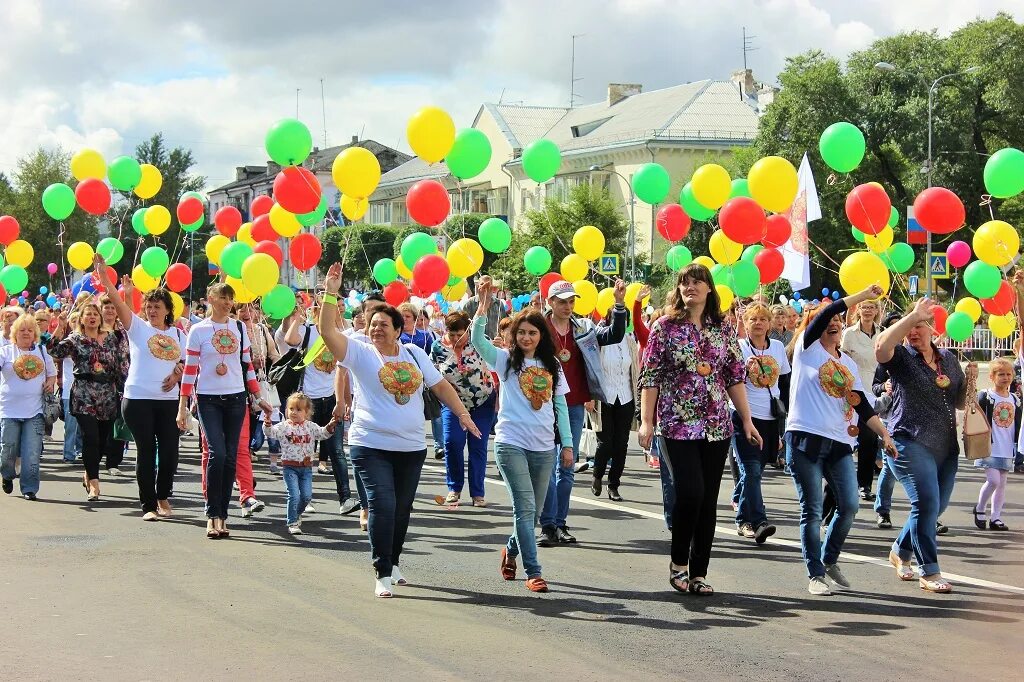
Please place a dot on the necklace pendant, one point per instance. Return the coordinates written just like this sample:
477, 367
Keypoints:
564, 355
942, 381
222, 369
97, 368
852, 430
703, 368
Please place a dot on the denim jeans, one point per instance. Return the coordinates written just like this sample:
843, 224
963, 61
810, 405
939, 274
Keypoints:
832, 462
221, 418
526, 474
299, 482
437, 433
72, 434
751, 462
22, 438
668, 487
455, 441
257, 438
886, 483
556, 506
927, 477
334, 447
390, 480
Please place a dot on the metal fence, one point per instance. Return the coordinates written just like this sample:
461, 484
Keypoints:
984, 346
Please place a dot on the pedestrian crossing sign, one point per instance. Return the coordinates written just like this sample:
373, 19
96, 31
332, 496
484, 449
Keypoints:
938, 264
608, 264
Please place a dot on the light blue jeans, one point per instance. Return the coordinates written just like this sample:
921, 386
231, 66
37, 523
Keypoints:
299, 482
526, 474
556, 506
886, 483
437, 433
72, 434
22, 438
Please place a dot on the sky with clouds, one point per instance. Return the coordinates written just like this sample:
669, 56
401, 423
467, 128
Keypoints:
214, 76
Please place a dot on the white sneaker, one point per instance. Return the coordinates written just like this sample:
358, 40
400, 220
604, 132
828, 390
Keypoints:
295, 529
382, 588
397, 578
818, 587
114, 471
348, 506
837, 576
309, 509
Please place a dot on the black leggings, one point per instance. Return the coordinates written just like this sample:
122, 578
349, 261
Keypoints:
867, 451
612, 440
153, 424
95, 434
696, 467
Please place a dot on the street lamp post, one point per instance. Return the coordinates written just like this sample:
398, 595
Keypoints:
631, 241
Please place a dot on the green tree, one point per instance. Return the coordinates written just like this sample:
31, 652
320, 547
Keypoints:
359, 246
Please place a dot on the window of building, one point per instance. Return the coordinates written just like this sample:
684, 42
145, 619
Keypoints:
587, 128
399, 214
380, 214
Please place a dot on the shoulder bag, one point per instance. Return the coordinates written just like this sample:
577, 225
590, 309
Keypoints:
977, 433
286, 374
431, 403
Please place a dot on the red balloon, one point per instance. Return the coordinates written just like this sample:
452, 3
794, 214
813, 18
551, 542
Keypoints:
228, 220
941, 315
938, 210
261, 205
263, 231
190, 209
673, 223
136, 302
305, 251
9, 230
111, 273
297, 190
178, 277
416, 290
776, 231
271, 249
868, 208
428, 203
3, 295
396, 293
742, 220
431, 273
770, 263
1003, 302
93, 196
546, 281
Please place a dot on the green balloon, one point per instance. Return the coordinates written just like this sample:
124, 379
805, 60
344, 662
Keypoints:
155, 261
740, 188
139, 222
279, 301
982, 279
192, 227
857, 234
651, 183
14, 279
744, 278
1004, 173
316, 216
751, 251
959, 326
197, 195
693, 208
415, 246
537, 260
111, 250
385, 271
541, 160
899, 257
894, 218
469, 155
720, 274
842, 146
288, 142
58, 201
453, 280
124, 173
495, 235
678, 257
232, 257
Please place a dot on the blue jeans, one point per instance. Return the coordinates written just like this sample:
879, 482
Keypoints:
668, 487
455, 440
390, 480
832, 462
437, 433
556, 506
72, 435
22, 438
526, 474
886, 483
927, 478
221, 418
257, 438
299, 482
333, 447
751, 461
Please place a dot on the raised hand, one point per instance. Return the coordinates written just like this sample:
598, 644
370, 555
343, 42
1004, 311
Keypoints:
620, 292
923, 309
644, 292
333, 282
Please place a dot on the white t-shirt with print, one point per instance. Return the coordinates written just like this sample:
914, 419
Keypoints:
200, 338
22, 398
811, 409
1002, 428
147, 372
316, 383
774, 357
518, 423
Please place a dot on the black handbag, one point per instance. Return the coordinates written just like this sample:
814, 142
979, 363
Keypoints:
286, 374
779, 412
431, 403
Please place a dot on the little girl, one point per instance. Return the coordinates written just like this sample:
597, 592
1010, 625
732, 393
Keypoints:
1003, 410
297, 434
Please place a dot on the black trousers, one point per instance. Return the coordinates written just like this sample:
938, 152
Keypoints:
612, 440
154, 426
95, 434
696, 467
867, 451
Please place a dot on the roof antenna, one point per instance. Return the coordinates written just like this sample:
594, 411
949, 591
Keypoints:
572, 72
748, 46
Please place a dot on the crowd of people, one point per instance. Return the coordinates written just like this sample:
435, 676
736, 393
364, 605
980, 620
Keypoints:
834, 396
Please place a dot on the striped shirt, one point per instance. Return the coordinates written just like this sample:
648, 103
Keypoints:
208, 346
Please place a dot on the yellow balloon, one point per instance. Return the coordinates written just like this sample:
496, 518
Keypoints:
1002, 326
20, 252
431, 134
723, 249
260, 273
284, 222
773, 183
996, 243
178, 307
970, 307
242, 293
711, 185
244, 235
588, 241
725, 297
88, 163
157, 219
586, 299
705, 261
353, 209
356, 172
150, 183
574, 267
455, 292
606, 299
80, 256
403, 270
215, 246
881, 241
862, 269
465, 257
142, 280
631, 291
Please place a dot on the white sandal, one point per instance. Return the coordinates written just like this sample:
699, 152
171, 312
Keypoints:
935, 583
397, 579
382, 588
904, 570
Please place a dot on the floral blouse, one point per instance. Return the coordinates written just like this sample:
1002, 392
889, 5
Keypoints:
466, 371
100, 371
692, 405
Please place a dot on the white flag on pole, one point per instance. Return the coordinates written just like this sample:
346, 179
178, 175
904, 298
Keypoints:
805, 209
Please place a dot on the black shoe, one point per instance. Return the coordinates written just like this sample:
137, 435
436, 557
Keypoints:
8, 486
883, 521
764, 531
548, 538
563, 536
941, 529
613, 494
979, 519
595, 487
992, 525
438, 453
866, 494
31, 497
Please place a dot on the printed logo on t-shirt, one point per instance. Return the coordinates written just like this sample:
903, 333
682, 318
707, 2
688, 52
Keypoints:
400, 379
1002, 415
325, 362
163, 347
835, 378
763, 371
28, 367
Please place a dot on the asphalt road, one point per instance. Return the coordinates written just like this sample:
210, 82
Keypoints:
89, 591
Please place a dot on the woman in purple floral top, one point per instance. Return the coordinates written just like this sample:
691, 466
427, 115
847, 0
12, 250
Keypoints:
691, 368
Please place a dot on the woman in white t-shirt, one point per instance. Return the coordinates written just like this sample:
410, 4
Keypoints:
386, 438
26, 372
156, 350
826, 400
